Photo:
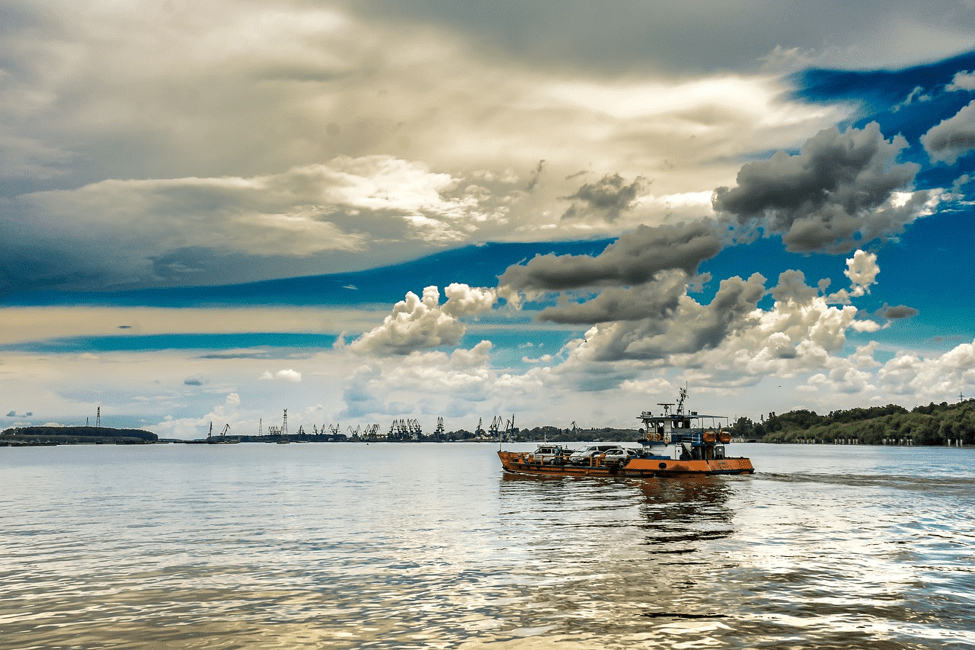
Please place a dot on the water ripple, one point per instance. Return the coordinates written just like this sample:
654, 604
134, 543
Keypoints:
430, 546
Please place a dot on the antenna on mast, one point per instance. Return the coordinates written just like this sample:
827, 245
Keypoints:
680, 402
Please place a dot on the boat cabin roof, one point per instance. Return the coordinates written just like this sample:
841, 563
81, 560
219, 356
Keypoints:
677, 417
693, 415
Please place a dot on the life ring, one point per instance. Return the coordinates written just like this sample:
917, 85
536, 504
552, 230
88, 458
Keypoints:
724, 437
657, 437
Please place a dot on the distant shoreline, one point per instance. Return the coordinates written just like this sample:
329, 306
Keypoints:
87, 435
52, 436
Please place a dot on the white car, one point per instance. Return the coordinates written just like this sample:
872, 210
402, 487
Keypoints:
620, 455
549, 454
583, 455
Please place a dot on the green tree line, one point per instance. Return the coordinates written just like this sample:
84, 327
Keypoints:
934, 424
75, 435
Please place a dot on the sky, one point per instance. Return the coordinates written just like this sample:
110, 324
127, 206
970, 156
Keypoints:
555, 211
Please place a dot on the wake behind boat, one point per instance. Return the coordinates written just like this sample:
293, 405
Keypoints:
674, 443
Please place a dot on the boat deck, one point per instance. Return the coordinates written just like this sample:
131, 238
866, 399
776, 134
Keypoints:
648, 467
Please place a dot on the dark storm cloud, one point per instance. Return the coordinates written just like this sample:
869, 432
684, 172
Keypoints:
176, 265
684, 37
36, 261
898, 312
607, 198
692, 328
952, 138
635, 258
652, 300
836, 188
596, 377
792, 286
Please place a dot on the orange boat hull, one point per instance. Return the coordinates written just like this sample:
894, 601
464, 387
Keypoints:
524, 463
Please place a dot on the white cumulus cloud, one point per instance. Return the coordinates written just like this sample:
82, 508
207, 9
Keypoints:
963, 80
285, 375
419, 323
930, 378
862, 269
463, 300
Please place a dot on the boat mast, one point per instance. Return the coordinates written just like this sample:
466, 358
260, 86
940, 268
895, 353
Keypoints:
680, 402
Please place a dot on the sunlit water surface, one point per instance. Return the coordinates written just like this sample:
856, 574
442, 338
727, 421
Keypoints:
430, 546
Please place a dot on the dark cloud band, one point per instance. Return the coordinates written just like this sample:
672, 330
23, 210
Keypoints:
635, 258
837, 189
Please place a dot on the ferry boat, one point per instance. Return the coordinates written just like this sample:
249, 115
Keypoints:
675, 442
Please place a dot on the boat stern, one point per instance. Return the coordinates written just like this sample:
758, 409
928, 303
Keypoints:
731, 466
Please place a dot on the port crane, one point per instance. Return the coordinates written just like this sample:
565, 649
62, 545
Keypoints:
496, 425
405, 429
223, 434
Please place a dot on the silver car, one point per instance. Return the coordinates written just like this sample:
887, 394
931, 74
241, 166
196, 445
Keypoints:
583, 455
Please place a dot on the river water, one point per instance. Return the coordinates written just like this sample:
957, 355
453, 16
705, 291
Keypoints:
431, 546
